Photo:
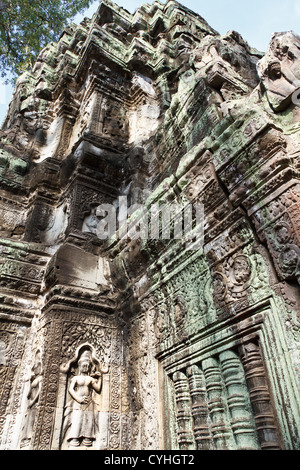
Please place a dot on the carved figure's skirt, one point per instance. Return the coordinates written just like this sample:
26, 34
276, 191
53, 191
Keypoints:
83, 424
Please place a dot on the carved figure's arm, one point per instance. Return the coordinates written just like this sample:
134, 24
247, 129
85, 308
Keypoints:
73, 392
97, 382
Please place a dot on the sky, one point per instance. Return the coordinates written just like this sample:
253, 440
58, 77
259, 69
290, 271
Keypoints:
255, 20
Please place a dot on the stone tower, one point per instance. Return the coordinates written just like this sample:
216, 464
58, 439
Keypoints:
142, 340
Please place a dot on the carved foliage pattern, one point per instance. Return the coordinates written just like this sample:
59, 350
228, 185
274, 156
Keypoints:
142, 384
199, 294
12, 348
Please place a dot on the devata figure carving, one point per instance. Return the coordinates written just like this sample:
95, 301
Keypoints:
33, 399
80, 418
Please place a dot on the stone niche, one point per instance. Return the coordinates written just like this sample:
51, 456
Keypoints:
139, 340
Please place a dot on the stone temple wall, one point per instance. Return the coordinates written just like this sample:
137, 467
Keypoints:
136, 341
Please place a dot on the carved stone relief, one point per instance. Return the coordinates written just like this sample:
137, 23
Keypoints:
215, 410
278, 70
81, 420
33, 396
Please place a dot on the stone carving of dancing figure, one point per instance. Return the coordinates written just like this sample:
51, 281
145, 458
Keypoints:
80, 422
32, 400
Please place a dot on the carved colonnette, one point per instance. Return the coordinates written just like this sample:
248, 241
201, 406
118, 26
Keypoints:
183, 415
260, 396
200, 411
230, 417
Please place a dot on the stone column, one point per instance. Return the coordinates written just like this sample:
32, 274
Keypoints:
221, 431
200, 411
260, 397
184, 416
242, 421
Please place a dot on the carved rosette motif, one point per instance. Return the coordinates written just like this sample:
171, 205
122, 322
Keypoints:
199, 408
